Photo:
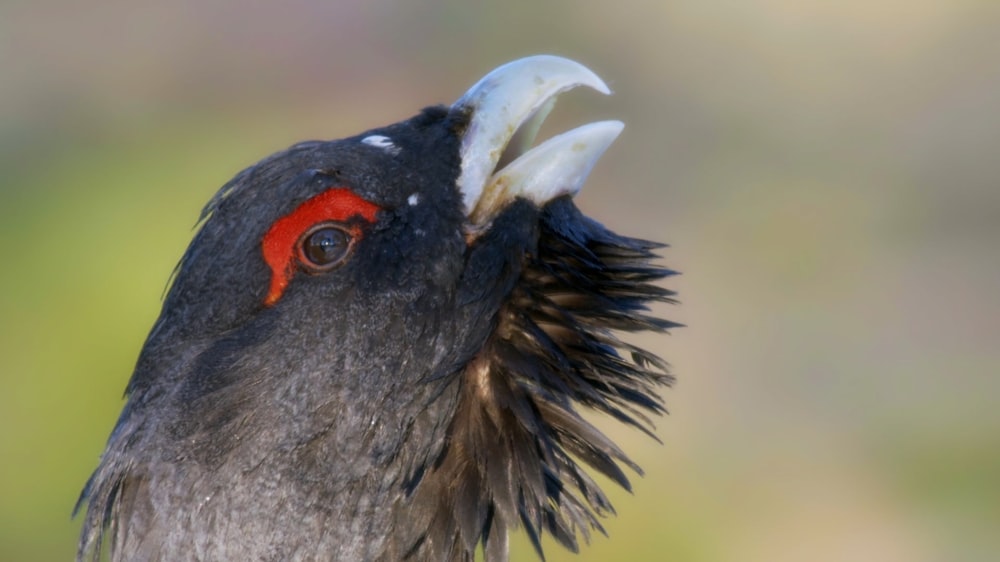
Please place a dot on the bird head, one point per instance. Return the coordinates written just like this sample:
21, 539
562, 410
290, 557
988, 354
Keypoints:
379, 347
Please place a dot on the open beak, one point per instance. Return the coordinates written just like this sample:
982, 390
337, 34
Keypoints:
506, 108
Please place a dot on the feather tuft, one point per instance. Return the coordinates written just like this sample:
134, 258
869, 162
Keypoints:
517, 447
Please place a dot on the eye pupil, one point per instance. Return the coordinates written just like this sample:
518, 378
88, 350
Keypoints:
326, 246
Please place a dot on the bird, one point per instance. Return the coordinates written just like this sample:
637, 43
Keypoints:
387, 346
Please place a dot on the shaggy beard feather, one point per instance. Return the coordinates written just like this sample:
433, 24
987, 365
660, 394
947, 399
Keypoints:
517, 446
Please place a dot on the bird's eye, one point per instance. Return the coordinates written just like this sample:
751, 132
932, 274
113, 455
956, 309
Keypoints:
325, 246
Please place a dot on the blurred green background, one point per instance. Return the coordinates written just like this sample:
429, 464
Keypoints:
827, 172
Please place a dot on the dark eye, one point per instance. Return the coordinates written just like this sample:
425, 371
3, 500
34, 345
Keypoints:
325, 246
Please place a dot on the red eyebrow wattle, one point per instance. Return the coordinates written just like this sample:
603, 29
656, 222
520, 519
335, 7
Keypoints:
278, 245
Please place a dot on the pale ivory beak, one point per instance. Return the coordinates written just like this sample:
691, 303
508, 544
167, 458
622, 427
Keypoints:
506, 109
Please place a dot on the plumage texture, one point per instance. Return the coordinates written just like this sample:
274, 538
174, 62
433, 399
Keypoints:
509, 458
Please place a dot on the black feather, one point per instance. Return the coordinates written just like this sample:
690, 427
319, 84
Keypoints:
517, 446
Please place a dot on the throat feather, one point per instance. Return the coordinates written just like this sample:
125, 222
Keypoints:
518, 448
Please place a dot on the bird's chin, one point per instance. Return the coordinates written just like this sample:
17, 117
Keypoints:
505, 109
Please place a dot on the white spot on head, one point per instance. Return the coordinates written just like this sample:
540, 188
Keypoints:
413, 199
382, 142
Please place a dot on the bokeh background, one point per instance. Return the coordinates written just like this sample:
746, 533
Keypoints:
828, 174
